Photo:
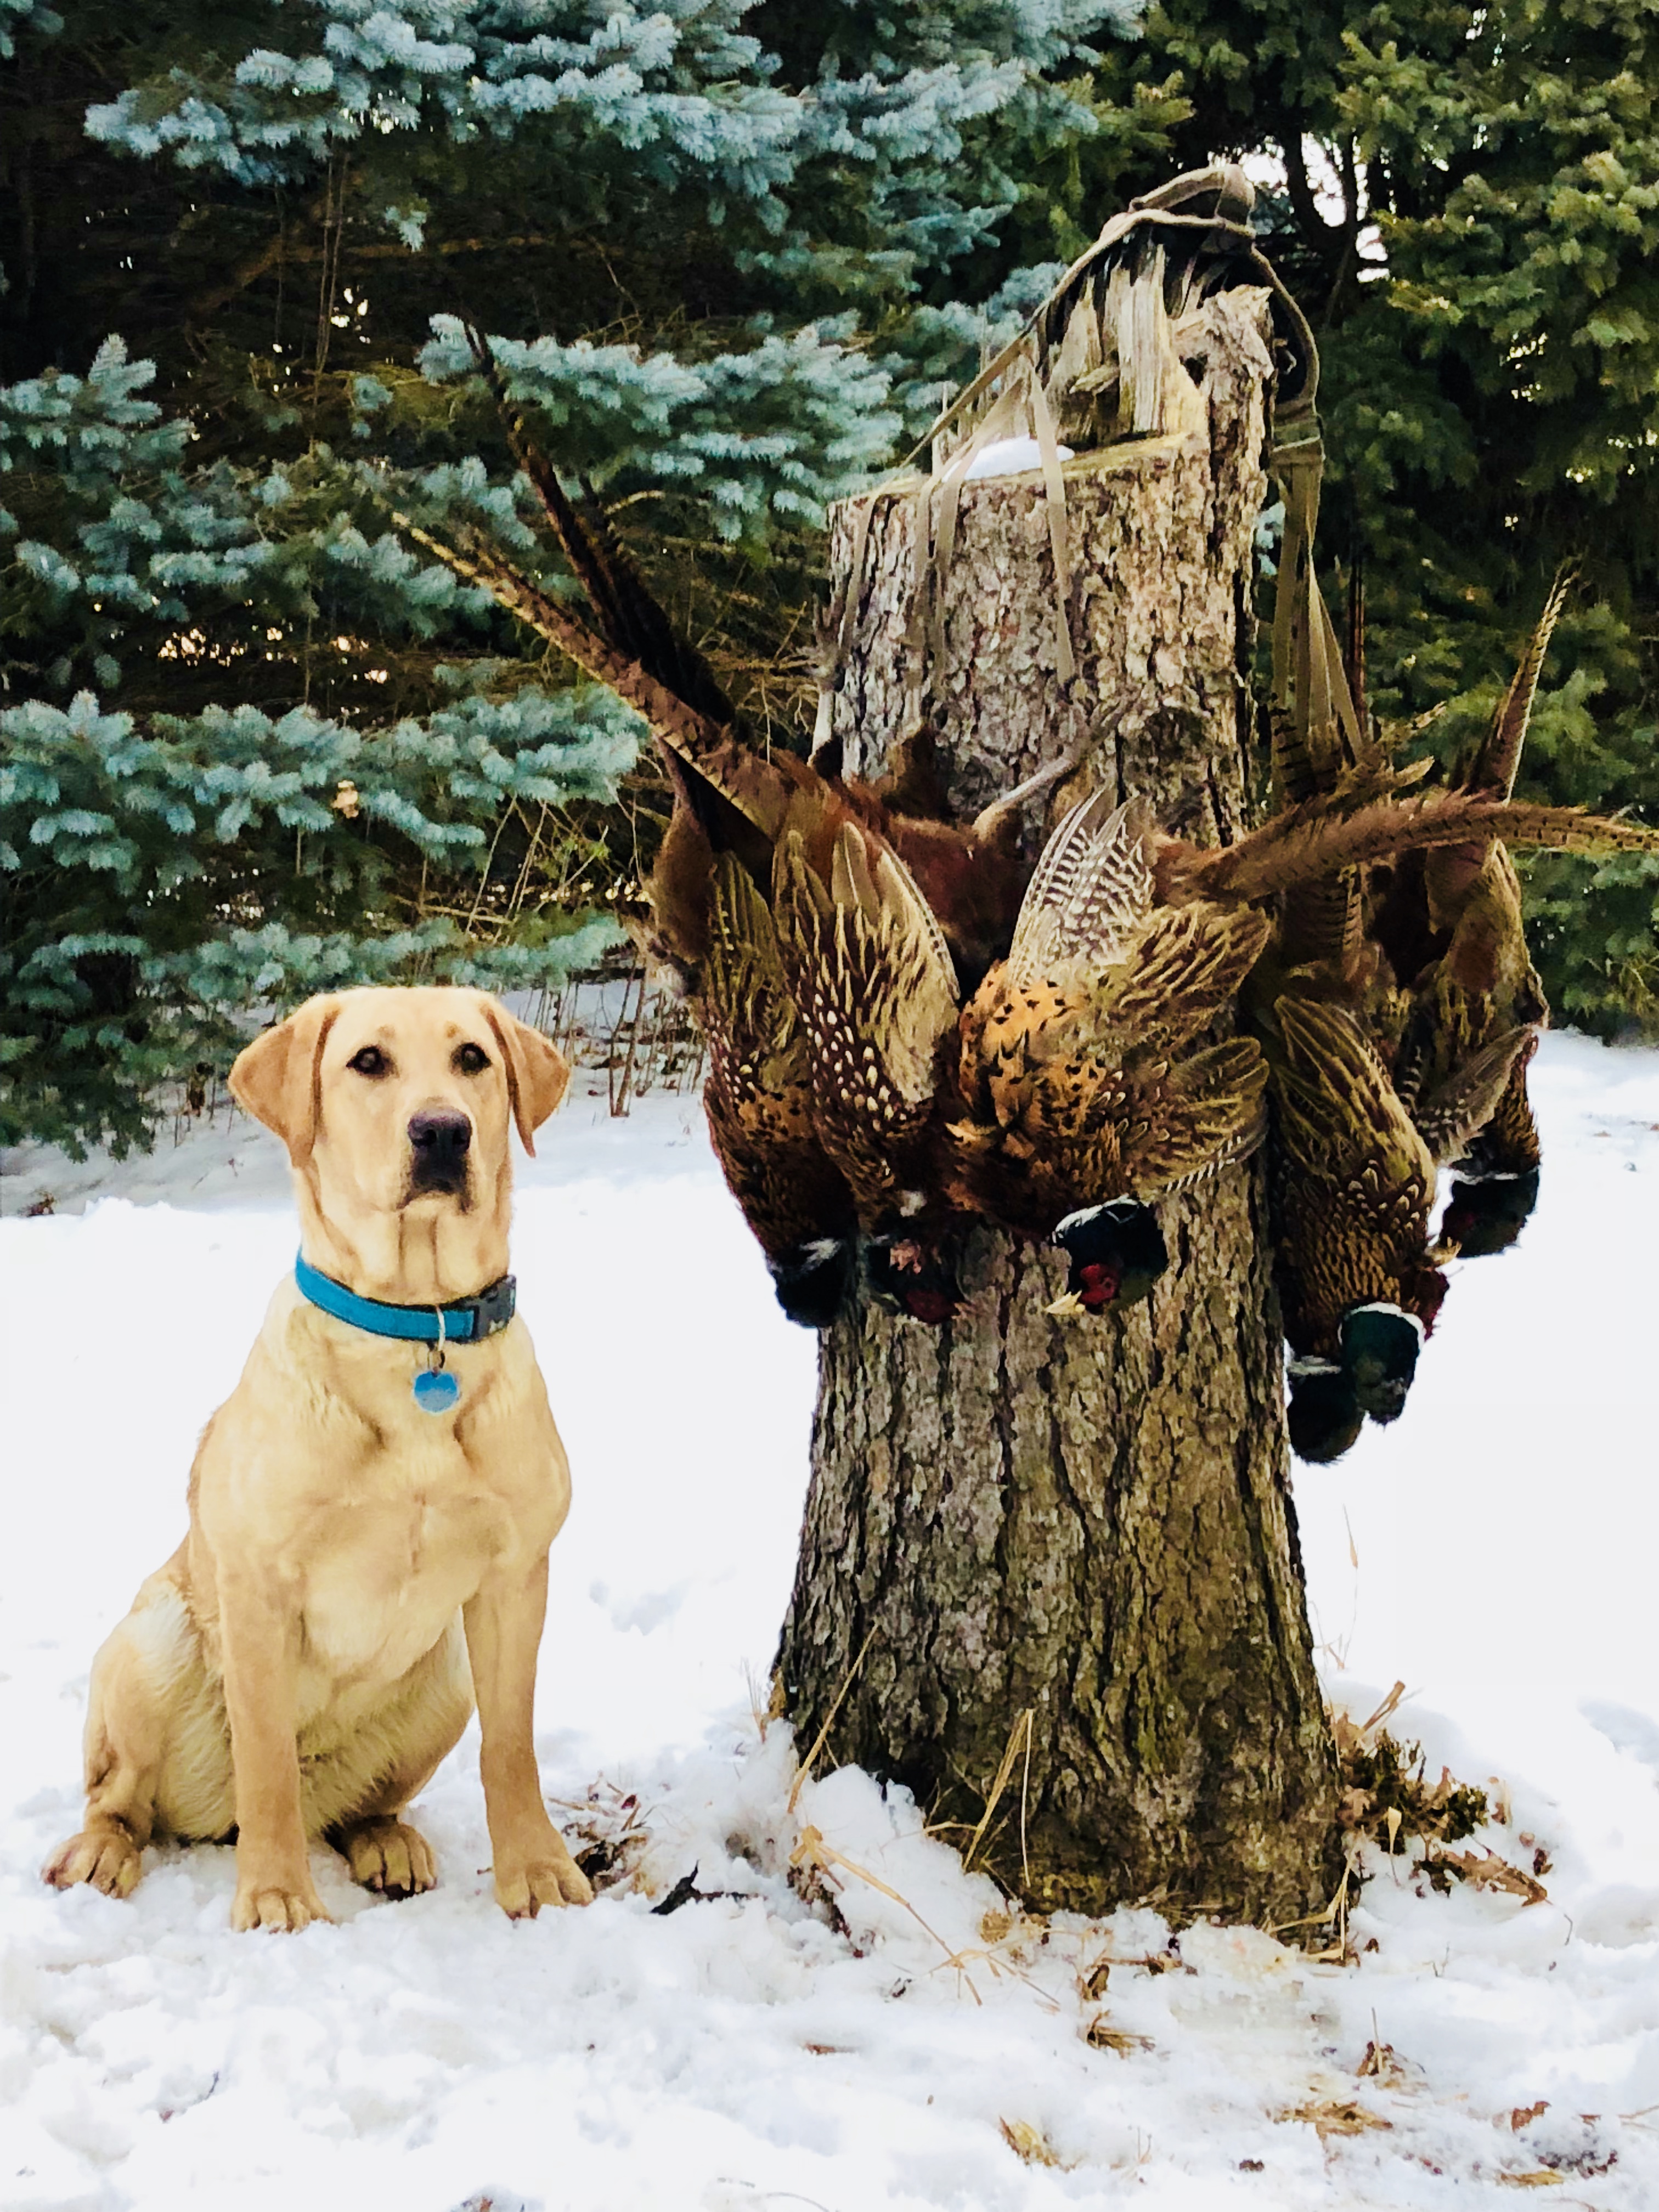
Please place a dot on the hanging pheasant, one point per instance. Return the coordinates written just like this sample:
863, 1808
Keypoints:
1451, 923
758, 1101
1453, 1044
876, 989
971, 876
1353, 1190
1082, 1098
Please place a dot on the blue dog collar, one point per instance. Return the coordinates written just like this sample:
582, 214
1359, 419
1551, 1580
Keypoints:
468, 1320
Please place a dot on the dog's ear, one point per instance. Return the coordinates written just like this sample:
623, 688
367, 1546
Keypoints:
277, 1078
537, 1073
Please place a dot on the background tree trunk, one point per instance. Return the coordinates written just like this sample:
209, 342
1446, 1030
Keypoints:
1087, 1522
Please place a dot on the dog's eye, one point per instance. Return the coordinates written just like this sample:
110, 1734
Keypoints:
471, 1059
371, 1060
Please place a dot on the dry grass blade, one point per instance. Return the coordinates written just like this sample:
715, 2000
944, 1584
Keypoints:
812, 1851
1029, 2144
1334, 1917
1004, 1773
1540, 2177
823, 1735
1385, 1710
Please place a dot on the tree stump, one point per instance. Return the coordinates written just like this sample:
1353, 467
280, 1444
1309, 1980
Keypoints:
1066, 1549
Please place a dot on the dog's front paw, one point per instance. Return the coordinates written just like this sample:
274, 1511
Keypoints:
105, 1858
286, 1903
548, 1875
386, 1855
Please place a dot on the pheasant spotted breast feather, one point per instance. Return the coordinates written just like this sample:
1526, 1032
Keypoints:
873, 979
1493, 766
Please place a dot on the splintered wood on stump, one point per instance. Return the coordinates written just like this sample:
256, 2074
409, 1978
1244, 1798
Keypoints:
1086, 1522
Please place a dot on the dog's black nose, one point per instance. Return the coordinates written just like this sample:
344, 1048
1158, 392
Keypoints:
439, 1141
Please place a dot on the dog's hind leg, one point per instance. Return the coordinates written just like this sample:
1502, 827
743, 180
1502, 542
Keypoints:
148, 1679
421, 1724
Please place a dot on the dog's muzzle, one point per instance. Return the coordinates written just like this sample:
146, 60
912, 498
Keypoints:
439, 1144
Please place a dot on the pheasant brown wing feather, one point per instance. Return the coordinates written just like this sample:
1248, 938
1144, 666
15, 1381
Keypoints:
1209, 1112
1091, 892
1186, 966
1450, 1116
1338, 1112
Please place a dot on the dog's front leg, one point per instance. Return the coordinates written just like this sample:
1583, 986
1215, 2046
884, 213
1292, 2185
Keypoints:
260, 1642
503, 1631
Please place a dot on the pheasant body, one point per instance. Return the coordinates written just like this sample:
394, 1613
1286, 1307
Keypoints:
758, 1101
1077, 1084
1352, 1188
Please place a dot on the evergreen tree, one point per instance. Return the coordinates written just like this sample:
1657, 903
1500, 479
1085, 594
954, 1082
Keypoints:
253, 747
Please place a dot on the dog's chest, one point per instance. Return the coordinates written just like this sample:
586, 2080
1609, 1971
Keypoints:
400, 1553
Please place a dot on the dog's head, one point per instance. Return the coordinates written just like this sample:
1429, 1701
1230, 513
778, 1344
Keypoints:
395, 1108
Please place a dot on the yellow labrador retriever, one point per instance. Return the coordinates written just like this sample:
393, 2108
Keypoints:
371, 1508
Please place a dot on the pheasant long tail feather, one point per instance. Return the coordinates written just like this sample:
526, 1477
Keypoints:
1320, 836
607, 602
668, 716
1354, 648
666, 651
628, 614
1323, 924
1294, 774
756, 788
1495, 763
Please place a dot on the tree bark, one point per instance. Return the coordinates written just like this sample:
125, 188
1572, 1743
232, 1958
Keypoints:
1075, 1539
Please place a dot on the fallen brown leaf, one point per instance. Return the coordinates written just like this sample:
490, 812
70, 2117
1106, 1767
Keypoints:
1332, 2118
1490, 1872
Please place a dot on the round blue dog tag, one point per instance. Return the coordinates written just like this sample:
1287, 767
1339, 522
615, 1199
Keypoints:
435, 1390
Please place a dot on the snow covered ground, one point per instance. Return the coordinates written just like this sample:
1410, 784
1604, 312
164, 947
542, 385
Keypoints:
1495, 1550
